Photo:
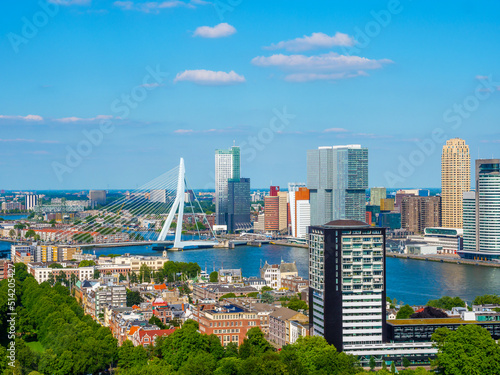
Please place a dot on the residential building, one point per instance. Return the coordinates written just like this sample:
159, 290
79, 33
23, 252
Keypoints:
229, 276
347, 297
469, 221
158, 196
215, 291
280, 326
486, 213
237, 216
7, 206
230, 323
300, 209
227, 167
147, 337
4, 269
294, 283
418, 213
376, 194
41, 272
271, 213
337, 178
274, 273
455, 180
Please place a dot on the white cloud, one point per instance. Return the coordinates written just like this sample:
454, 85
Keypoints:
328, 66
305, 77
80, 119
219, 31
335, 130
23, 118
325, 62
314, 41
156, 6
183, 131
209, 77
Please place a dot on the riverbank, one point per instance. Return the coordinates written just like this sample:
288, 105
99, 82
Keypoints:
284, 243
444, 259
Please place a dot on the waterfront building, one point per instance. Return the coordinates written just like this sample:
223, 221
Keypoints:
300, 209
418, 213
97, 197
485, 212
376, 194
274, 273
447, 240
337, 177
469, 221
347, 297
237, 216
455, 180
227, 167
7, 206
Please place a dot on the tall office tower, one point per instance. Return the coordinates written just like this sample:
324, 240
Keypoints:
227, 166
238, 210
97, 197
283, 211
271, 213
418, 213
300, 209
455, 180
469, 218
31, 201
337, 178
158, 195
487, 209
376, 195
347, 297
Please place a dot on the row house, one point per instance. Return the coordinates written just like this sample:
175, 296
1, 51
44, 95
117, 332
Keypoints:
122, 323
263, 310
41, 272
228, 322
282, 330
169, 312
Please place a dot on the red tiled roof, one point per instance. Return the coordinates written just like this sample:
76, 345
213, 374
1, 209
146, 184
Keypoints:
160, 287
155, 332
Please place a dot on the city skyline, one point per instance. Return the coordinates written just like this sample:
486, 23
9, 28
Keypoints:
204, 79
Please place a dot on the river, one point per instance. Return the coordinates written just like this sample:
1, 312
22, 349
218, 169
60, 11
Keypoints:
408, 280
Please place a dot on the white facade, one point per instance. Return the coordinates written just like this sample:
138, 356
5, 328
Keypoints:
31, 201
303, 218
227, 166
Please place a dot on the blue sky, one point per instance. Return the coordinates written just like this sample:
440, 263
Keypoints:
150, 82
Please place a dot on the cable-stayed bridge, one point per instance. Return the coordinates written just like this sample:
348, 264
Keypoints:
145, 215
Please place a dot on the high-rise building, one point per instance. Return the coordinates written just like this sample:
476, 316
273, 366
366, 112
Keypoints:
283, 211
97, 197
276, 210
469, 219
31, 201
337, 178
227, 166
377, 194
158, 196
484, 209
300, 209
418, 213
238, 209
455, 180
347, 297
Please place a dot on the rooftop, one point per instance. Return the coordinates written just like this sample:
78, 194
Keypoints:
401, 322
346, 223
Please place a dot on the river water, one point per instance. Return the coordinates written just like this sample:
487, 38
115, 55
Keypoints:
408, 280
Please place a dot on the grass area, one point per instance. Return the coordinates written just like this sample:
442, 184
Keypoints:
36, 346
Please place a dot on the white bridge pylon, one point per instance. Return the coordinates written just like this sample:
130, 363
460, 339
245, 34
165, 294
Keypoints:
178, 207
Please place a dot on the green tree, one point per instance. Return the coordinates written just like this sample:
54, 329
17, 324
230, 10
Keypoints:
133, 298
446, 303
373, 363
267, 298
131, 356
12, 233
145, 273
254, 344
405, 312
86, 263
156, 321
487, 299
231, 350
393, 368
406, 362
297, 304
227, 295
214, 276
97, 274
30, 233
266, 289
468, 350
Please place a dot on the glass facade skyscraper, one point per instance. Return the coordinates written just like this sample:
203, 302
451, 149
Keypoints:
238, 212
337, 177
227, 166
482, 213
